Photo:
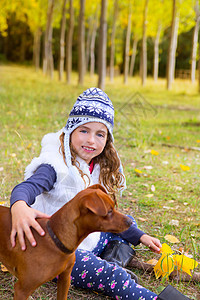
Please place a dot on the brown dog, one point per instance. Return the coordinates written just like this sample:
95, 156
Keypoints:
90, 210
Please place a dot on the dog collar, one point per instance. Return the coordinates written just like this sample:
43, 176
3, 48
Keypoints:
56, 240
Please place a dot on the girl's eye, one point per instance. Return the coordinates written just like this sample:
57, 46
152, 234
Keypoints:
100, 135
83, 131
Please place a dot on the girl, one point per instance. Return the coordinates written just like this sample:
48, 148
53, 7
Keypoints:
79, 155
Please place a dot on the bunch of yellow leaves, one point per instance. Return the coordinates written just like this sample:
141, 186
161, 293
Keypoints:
168, 261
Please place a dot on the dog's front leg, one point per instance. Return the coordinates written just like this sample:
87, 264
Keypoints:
64, 279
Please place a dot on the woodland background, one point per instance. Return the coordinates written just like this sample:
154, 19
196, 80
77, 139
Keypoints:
146, 55
158, 38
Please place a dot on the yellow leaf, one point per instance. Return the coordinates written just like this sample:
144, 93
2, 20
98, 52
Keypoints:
166, 249
149, 195
185, 263
138, 171
164, 266
185, 168
142, 219
2, 202
171, 238
154, 152
152, 261
29, 146
198, 141
3, 268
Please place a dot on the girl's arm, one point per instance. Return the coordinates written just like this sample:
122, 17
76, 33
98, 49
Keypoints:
23, 195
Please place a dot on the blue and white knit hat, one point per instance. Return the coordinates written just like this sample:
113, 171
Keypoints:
93, 105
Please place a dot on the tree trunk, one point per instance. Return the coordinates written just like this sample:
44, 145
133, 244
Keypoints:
92, 48
62, 41
195, 42
36, 48
156, 53
133, 56
127, 46
48, 56
102, 46
172, 46
199, 69
22, 53
81, 43
112, 47
144, 44
88, 42
69, 42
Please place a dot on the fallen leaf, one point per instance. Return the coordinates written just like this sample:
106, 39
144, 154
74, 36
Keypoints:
3, 268
166, 249
2, 202
1, 169
174, 222
148, 167
154, 152
165, 162
164, 266
198, 141
171, 238
138, 171
152, 261
149, 195
142, 219
184, 168
153, 188
185, 263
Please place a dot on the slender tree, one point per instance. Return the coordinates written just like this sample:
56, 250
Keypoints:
36, 48
112, 47
102, 46
92, 47
133, 56
144, 44
156, 52
69, 39
127, 45
62, 41
195, 41
172, 45
81, 43
48, 56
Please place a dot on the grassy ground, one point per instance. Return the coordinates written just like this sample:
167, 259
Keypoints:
147, 118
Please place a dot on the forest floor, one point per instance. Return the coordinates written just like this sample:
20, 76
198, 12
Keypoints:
157, 136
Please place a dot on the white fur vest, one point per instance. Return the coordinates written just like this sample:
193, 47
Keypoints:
67, 184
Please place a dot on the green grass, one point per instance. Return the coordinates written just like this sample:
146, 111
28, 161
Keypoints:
146, 118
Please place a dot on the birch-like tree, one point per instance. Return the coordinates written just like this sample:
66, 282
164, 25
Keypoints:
81, 43
195, 41
62, 41
102, 46
48, 65
69, 39
144, 44
127, 44
112, 42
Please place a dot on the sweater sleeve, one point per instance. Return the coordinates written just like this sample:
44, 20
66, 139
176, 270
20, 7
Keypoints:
42, 181
132, 235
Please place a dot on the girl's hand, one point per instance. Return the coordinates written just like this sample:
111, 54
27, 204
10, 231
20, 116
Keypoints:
151, 242
24, 217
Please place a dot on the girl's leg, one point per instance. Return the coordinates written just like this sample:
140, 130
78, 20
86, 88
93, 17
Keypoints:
93, 273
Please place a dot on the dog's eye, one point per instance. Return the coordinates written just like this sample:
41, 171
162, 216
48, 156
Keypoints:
110, 212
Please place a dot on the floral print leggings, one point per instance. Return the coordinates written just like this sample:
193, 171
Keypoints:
92, 272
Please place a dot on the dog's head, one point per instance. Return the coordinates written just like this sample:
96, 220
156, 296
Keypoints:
99, 213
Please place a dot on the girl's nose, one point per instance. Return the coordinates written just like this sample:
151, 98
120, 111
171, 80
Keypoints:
91, 139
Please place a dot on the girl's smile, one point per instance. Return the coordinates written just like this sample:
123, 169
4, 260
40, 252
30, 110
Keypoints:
89, 140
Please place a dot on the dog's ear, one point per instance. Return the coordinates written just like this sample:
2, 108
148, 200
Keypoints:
95, 203
98, 186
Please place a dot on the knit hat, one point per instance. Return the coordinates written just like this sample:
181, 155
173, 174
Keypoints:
93, 105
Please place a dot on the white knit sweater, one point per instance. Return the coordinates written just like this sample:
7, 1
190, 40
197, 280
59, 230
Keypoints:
68, 183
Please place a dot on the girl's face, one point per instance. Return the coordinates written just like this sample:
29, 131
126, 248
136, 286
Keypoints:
89, 140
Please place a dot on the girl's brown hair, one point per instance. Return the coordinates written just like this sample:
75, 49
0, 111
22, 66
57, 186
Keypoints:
109, 162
